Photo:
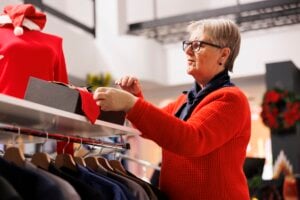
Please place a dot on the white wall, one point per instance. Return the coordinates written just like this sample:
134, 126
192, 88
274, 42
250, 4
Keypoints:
257, 49
81, 53
81, 10
265, 46
127, 55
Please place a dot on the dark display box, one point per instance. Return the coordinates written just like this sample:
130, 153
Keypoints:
64, 98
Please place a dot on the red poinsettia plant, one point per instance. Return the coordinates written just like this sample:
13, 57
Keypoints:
280, 109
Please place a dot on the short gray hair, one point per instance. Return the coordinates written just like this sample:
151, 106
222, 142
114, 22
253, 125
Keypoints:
222, 32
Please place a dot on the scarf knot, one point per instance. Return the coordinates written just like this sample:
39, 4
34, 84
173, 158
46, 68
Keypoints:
197, 94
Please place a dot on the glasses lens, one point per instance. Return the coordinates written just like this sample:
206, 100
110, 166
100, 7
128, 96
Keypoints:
185, 45
195, 45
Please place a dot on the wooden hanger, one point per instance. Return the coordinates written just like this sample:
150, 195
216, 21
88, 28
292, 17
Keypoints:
41, 160
105, 163
92, 162
117, 165
65, 160
14, 155
79, 161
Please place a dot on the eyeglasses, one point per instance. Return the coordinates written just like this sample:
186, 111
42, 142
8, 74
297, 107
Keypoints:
197, 44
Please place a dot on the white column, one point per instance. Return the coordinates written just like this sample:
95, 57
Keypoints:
111, 17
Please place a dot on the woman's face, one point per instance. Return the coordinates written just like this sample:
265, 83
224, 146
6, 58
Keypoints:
204, 63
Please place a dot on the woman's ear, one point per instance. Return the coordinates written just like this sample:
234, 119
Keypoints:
225, 52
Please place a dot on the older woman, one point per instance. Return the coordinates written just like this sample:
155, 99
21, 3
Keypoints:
205, 132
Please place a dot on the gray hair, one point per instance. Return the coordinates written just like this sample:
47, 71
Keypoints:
222, 32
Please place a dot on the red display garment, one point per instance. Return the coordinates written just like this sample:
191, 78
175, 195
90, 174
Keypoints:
203, 157
32, 54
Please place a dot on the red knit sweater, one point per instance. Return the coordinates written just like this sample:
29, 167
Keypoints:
202, 157
32, 54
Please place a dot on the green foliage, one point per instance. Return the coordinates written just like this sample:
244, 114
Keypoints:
98, 80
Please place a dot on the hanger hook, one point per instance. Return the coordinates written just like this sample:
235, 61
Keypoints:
101, 147
115, 151
63, 151
16, 138
46, 140
78, 148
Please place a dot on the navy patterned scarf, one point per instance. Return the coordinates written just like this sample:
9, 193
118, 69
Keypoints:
196, 94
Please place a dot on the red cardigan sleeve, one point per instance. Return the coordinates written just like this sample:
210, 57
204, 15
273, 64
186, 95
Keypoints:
217, 119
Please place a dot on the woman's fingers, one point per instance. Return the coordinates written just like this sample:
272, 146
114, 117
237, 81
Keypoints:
126, 81
112, 99
131, 81
100, 95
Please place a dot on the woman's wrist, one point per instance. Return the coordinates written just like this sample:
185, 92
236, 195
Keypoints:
131, 103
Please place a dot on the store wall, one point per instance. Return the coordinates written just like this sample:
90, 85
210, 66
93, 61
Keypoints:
125, 54
257, 49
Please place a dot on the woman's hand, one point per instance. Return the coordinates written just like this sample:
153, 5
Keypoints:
112, 99
130, 84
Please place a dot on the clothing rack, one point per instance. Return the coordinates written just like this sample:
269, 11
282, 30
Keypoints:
40, 117
28, 118
74, 139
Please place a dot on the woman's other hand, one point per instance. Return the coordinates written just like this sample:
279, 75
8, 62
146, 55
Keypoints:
130, 84
112, 99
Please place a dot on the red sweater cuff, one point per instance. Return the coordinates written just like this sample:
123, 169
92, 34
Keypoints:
140, 95
136, 111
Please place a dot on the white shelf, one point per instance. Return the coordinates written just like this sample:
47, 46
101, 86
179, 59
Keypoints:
28, 114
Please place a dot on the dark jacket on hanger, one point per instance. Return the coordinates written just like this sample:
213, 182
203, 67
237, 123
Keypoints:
7, 191
29, 184
67, 190
109, 189
129, 195
84, 190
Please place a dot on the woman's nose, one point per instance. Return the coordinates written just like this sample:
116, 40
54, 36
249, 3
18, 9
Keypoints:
189, 50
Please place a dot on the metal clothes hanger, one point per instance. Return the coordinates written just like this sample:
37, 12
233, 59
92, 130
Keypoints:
14, 154
79, 160
41, 159
65, 160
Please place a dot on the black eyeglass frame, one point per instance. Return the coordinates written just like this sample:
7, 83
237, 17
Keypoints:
186, 44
